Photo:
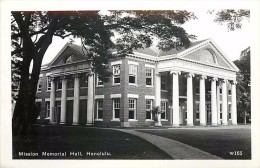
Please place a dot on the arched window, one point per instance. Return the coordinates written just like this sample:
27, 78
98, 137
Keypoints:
208, 56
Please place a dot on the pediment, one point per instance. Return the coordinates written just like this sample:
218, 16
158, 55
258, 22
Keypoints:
210, 54
68, 54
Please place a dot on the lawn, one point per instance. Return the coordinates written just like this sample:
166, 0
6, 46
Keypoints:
62, 142
219, 142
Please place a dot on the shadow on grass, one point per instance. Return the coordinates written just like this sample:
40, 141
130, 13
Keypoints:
225, 143
62, 142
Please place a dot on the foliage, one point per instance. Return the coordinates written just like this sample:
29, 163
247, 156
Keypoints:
100, 32
244, 85
232, 18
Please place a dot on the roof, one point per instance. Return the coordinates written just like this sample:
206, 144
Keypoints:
155, 52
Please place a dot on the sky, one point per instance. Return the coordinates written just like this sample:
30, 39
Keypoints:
230, 42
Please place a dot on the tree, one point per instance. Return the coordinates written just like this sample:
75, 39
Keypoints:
232, 18
32, 34
244, 85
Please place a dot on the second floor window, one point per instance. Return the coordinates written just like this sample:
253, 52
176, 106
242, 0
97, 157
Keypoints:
149, 77
39, 88
163, 82
58, 83
116, 74
48, 83
133, 74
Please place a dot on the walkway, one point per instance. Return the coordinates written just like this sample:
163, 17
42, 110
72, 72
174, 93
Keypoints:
175, 149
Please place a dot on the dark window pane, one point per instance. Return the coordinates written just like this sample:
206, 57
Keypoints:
197, 115
100, 114
131, 79
220, 115
117, 80
163, 115
163, 86
117, 113
148, 115
148, 81
131, 114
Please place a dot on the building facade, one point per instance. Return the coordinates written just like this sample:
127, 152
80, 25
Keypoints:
192, 86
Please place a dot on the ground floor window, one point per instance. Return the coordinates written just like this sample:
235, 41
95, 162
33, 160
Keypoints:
163, 109
220, 109
149, 105
197, 111
132, 108
116, 108
100, 109
57, 111
47, 112
229, 111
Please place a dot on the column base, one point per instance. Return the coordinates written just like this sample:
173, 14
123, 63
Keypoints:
75, 123
225, 124
62, 123
89, 124
190, 125
214, 124
202, 124
175, 125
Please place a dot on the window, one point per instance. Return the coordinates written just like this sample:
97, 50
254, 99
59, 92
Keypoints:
163, 82
149, 77
57, 111
229, 111
58, 84
197, 90
133, 74
99, 82
229, 92
197, 111
69, 59
39, 88
132, 108
149, 106
47, 113
208, 108
116, 74
48, 83
83, 80
116, 108
220, 109
70, 82
163, 109
99, 108
220, 91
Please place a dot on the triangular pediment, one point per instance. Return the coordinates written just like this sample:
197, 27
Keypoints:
68, 54
208, 53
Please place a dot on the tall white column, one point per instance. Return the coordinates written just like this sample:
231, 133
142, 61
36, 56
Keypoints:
202, 101
52, 99
158, 95
224, 102
90, 106
218, 102
63, 100
76, 100
214, 114
189, 99
234, 103
175, 98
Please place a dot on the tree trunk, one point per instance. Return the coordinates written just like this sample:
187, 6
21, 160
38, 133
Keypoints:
245, 117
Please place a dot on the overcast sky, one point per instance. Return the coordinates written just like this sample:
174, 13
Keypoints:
230, 42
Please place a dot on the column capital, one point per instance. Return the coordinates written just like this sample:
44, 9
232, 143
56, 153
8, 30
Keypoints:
189, 75
90, 73
233, 82
213, 79
175, 72
202, 77
51, 78
75, 76
223, 81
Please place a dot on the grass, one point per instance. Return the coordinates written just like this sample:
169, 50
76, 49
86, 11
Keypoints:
56, 139
219, 142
